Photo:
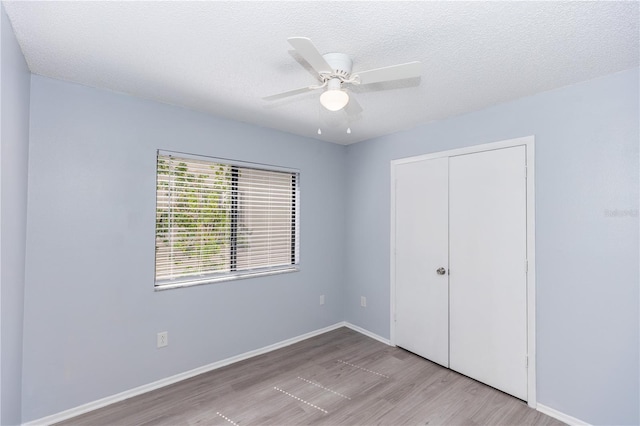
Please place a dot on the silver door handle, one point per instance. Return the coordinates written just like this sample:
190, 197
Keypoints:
441, 271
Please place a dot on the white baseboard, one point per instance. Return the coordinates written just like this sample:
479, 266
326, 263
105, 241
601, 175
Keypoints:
367, 333
103, 402
572, 421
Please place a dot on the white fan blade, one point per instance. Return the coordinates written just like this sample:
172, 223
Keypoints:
352, 108
394, 72
308, 51
289, 93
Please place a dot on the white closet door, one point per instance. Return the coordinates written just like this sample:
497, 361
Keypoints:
488, 297
422, 321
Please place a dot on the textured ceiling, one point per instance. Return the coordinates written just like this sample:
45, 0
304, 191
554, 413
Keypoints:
224, 57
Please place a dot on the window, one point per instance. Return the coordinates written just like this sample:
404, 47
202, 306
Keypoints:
218, 220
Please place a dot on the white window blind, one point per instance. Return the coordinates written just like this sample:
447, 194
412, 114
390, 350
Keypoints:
216, 220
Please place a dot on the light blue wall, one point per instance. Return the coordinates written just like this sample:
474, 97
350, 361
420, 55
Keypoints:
14, 149
91, 313
587, 262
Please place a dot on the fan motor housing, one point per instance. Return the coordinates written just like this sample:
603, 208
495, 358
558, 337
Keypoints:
341, 64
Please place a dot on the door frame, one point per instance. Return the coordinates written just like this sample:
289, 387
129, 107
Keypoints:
529, 143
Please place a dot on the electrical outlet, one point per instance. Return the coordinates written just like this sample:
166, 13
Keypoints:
163, 339
363, 301
322, 299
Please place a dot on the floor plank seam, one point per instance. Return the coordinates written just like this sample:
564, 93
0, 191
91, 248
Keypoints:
364, 369
227, 418
301, 400
322, 387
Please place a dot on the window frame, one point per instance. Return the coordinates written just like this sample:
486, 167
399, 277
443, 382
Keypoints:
232, 275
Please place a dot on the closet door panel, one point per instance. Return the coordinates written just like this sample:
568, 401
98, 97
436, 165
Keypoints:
421, 233
487, 251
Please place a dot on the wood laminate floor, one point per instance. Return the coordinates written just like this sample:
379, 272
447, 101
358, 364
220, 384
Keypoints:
338, 378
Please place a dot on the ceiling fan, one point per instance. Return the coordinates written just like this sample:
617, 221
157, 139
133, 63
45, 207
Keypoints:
335, 72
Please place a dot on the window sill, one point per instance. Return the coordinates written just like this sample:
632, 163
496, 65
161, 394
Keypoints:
214, 280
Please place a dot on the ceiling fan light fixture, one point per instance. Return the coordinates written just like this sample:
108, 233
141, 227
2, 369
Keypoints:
334, 100
334, 72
